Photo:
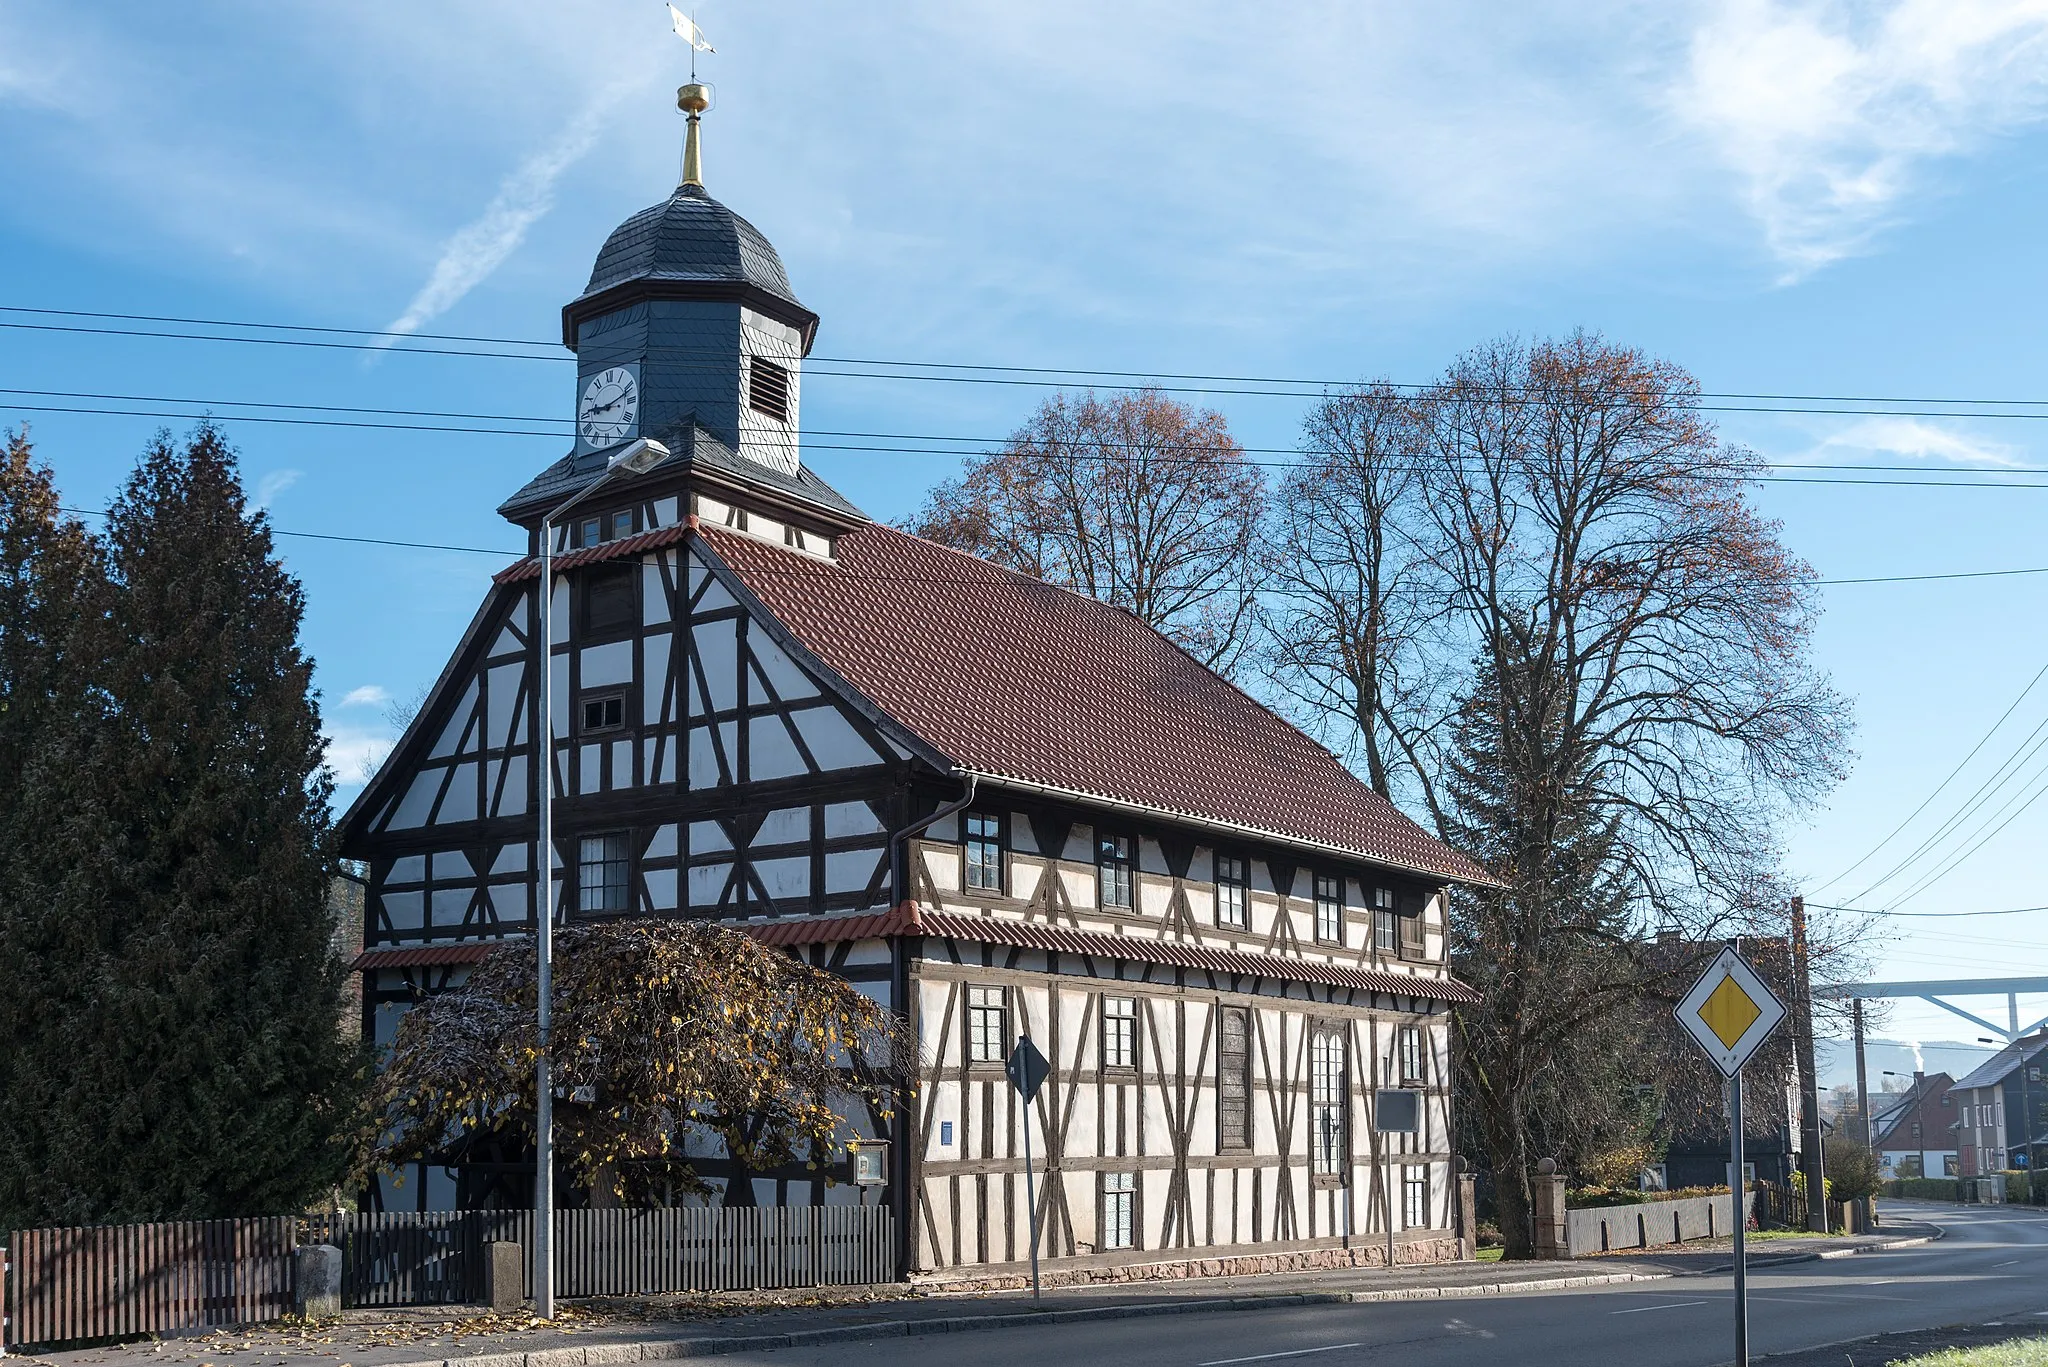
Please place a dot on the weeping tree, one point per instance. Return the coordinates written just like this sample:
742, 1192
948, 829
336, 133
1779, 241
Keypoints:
667, 1035
1610, 700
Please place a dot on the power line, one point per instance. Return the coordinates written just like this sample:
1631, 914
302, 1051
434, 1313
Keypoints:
1014, 375
1141, 375
1928, 915
355, 425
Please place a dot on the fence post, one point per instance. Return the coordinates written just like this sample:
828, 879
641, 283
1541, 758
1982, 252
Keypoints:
1553, 1240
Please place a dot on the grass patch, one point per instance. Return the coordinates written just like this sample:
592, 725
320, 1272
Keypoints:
1488, 1255
2019, 1353
1771, 1234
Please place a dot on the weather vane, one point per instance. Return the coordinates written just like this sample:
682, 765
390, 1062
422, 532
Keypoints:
693, 99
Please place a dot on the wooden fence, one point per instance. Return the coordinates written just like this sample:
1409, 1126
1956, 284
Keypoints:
435, 1259
115, 1281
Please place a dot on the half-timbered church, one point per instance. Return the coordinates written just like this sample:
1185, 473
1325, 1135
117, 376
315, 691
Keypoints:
1000, 807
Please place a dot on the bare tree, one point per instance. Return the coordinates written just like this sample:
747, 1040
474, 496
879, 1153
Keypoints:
1135, 499
1603, 692
1351, 593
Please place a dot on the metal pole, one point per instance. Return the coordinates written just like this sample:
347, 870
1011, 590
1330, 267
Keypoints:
544, 943
1030, 1196
1862, 1078
2026, 1122
1811, 1161
1737, 1192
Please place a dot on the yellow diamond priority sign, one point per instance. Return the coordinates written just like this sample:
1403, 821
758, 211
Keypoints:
1730, 1012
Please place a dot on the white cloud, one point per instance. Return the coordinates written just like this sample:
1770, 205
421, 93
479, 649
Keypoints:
470, 256
369, 695
354, 753
275, 483
1829, 112
1919, 440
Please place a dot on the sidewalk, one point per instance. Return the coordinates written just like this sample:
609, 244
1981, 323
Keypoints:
599, 1333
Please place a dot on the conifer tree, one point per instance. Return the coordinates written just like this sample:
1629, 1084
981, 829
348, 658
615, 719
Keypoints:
50, 581
207, 1074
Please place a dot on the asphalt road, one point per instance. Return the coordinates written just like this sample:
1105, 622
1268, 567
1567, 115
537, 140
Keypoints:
1988, 1268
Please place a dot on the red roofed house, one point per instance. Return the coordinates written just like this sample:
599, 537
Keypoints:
998, 806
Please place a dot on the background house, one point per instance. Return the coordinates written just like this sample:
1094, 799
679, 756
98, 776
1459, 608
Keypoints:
2002, 1109
1916, 1129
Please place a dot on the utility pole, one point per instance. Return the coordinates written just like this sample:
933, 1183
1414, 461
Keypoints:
1862, 1082
1810, 1165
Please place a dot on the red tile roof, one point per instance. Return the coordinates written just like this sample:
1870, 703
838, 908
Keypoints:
992, 930
1017, 680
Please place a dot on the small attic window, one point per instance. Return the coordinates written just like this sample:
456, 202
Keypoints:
768, 389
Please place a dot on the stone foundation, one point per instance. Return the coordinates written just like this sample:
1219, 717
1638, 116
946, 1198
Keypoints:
1442, 1248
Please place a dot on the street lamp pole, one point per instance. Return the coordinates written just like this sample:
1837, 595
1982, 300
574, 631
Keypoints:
637, 458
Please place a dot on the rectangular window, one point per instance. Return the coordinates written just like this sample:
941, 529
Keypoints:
1329, 909
1415, 1198
602, 865
1385, 936
1119, 1209
1411, 1055
1119, 1032
988, 1034
1328, 1086
1233, 892
609, 606
1234, 1078
590, 532
768, 389
1412, 943
1113, 865
607, 713
984, 851
622, 525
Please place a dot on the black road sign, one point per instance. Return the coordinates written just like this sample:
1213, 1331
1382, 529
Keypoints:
1026, 1068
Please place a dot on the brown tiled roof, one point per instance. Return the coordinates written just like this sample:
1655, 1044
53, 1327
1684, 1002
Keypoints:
789, 932
1017, 680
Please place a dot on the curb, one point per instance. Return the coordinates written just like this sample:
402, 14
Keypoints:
661, 1350
1787, 1259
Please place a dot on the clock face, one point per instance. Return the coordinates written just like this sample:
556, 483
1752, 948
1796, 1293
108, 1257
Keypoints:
609, 410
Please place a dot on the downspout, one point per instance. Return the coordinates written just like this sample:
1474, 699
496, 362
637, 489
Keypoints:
899, 843
908, 1175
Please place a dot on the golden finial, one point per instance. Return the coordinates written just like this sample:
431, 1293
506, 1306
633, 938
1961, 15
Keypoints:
693, 99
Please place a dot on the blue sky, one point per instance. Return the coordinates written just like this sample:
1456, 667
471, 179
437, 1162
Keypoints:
1824, 199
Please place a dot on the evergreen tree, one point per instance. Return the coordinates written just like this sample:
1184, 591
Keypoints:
207, 1074
51, 580
1551, 950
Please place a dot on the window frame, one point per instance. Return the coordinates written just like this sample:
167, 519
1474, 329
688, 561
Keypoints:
1409, 1060
1415, 1181
1386, 936
624, 863
599, 697
1334, 935
983, 1003
1328, 1160
1240, 882
1124, 1188
1411, 936
626, 575
1124, 865
613, 521
1129, 1035
970, 841
1242, 1138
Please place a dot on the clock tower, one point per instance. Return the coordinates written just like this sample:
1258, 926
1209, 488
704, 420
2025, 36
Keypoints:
688, 333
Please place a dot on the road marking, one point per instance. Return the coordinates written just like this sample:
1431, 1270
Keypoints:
1297, 1353
2013, 1263
1675, 1305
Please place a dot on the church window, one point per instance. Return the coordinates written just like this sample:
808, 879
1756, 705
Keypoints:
768, 389
1119, 1032
1386, 935
987, 1031
1329, 909
985, 851
1234, 1078
1119, 1206
607, 713
1327, 1089
1113, 861
608, 602
602, 865
1233, 891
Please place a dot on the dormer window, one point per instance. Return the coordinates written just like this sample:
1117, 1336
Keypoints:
768, 389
